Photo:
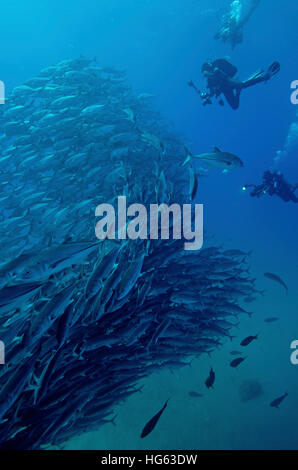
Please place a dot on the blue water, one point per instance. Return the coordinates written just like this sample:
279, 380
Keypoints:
161, 45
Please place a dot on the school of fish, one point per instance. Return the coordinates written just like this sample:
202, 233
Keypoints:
83, 321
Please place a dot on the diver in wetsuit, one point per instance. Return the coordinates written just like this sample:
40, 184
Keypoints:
274, 183
231, 29
220, 75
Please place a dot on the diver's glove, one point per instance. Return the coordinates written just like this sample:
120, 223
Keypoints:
205, 97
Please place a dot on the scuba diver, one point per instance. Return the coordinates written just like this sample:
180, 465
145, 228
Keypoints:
231, 29
274, 183
220, 80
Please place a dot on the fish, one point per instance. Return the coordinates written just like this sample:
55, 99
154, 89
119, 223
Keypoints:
248, 340
49, 314
250, 299
217, 159
235, 353
211, 379
160, 188
271, 319
148, 428
93, 110
160, 331
237, 253
276, 278
275, 403
250, 390
101, 272
14, 296
152, 140
14, 386
236, 362
15, 267
130, 277
57, 258
108, 290
142, 96
130, 115
64, 325
194, 394
193, 183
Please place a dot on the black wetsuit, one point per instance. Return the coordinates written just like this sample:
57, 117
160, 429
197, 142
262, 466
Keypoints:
220, 80
275, 184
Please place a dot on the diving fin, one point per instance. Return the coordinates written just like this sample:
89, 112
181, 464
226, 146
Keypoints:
273, 69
